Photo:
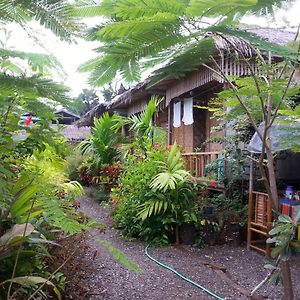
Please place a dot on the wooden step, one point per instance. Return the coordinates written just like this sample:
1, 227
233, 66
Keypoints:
259, 231
259, 225
257, 249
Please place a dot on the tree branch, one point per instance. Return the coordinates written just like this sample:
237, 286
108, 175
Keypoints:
252, 73
233, 87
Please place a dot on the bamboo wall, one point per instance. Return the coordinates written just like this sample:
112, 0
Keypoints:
229, 66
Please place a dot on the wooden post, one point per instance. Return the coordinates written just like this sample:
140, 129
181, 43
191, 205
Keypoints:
250, 202
170, 121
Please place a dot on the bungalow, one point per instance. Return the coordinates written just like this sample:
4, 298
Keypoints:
183, 112
67, 126
186, 119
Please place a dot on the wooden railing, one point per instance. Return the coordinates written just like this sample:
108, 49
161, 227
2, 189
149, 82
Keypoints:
197, 162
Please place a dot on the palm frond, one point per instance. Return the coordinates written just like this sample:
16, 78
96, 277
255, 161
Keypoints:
153, 207
127, 52
13, 11
172, 171
181, 61
143, 33
211, 8
56, 15
133, 9
141, 124
32, 88
37, 61
138, 26
103, 141
89, 10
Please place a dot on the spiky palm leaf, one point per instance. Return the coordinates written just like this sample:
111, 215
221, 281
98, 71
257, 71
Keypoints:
32, 88
103, 141
37, 61
172, 171
141, 124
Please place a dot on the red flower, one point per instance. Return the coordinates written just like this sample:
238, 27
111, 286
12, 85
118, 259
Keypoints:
28, 120
155, 146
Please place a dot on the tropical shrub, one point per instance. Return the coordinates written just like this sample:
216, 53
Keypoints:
87, 170
132, 190
107, 176
150, 204
103, 141
38, 203
74, 161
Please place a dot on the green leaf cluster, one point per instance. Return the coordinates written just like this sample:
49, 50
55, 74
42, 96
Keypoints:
103, 141
55, 15
147, 207
172, 170
136, 35
282, 234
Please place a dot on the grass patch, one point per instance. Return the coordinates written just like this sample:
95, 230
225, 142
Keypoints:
120, 257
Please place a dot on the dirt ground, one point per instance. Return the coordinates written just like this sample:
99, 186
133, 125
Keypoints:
229, 272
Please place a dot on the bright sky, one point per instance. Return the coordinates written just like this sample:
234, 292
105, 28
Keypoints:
71, 56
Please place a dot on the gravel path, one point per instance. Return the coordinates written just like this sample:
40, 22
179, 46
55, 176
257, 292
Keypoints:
108, 279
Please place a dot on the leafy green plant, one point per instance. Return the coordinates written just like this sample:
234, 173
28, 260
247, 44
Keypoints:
145, 205
22, 243
87, 170
40, 200
107, 176
74, 161
282, 234
103, 141
143, 34
229, 209
132, 190
172, 170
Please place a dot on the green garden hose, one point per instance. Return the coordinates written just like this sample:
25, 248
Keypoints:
182, 276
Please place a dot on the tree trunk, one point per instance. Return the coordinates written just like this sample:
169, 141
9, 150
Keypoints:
177, 234
287, 280
285, 265
272, 180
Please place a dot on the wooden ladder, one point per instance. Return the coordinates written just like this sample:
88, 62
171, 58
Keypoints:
259, 222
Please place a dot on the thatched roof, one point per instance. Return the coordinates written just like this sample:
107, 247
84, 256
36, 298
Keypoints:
129, 96
224, 43
119, 101
66, 113
274, 35
95, 112
73, 133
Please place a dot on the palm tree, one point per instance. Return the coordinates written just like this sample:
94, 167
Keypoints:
103, 141
145, 132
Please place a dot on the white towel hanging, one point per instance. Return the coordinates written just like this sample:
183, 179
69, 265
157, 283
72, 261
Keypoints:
188, 117
177, 114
